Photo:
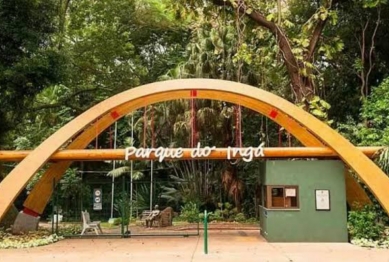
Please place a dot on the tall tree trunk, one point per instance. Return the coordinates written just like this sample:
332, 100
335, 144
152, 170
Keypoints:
232, 185
301, 84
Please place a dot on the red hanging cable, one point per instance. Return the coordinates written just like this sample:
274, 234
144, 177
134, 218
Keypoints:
193, 141
152, 128
238, 126
190, 138
144, 127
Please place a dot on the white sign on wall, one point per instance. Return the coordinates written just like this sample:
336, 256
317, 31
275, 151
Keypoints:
322, 199
290, 192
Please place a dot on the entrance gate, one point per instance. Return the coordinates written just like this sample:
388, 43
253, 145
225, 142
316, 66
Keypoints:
79, 132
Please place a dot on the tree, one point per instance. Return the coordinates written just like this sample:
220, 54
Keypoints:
362, 65
375, 112
28, 64
297, 49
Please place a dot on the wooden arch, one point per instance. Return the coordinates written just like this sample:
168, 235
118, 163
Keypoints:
253, 98
42, 191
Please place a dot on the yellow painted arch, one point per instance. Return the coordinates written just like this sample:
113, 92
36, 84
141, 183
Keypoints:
253, 98
40, 195
42, 191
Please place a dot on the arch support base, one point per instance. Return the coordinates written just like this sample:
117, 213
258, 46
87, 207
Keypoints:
25, 222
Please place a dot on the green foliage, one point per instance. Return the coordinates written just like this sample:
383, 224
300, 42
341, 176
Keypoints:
240, 217
28, 63
69, 230
215, 216
71, 184
117, 172
123, 206
318, 107
41, 123
383, 160
367, 227
372, 3
101, 52
375, 112
190, 212
190, 182
117, 221
365, 224
226, 212
141, 197
374, 130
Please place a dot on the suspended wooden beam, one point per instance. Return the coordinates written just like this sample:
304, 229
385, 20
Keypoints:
218, 153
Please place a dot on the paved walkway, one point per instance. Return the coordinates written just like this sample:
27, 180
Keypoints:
237, 246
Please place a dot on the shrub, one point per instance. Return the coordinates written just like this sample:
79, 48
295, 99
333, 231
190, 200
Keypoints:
240, 217
69, 230
364, 223
190, 212
117, 221
215, 216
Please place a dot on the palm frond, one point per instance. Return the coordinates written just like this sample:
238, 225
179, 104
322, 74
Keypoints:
137, 175
383, 159
170, 194
117, 172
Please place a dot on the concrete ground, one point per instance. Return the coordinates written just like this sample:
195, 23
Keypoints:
237, 246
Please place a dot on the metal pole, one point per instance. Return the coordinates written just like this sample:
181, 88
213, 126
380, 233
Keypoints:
151, 185
114, 166
131, 163
205, 232
124, 219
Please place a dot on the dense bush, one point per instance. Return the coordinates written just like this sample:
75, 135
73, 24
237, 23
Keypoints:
69, 230
226, 212
190, 212
365, 224
240, 217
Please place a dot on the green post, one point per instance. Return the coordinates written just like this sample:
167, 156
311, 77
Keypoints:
205, 232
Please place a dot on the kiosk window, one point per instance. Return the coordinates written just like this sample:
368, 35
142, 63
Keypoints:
282, 197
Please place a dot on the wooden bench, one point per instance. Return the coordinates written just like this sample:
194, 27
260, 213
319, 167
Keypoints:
87, 224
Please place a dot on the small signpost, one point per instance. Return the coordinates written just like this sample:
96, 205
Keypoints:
97, 199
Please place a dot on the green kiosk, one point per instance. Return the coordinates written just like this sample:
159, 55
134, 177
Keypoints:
303, 201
